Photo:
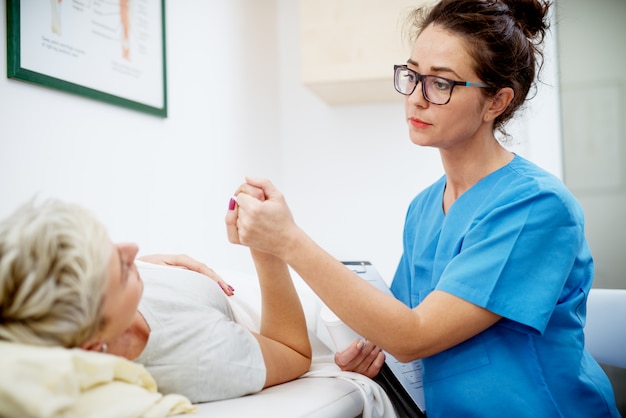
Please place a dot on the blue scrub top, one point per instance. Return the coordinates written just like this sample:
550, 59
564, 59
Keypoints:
513, 244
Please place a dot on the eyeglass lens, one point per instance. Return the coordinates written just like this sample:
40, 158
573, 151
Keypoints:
435, 89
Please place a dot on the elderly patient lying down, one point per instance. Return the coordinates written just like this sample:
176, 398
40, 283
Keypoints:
63, 283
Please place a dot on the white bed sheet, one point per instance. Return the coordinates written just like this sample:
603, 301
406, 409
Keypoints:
307, 397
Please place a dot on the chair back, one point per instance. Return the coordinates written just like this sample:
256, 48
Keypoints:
605, 330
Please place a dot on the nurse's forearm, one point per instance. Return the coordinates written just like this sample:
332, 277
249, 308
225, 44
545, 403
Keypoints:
373, 314
441, 321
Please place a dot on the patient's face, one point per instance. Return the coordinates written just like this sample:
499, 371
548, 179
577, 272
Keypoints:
123, 292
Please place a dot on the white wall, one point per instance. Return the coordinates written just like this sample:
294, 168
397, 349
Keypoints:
593, 81
236, 107
164, 183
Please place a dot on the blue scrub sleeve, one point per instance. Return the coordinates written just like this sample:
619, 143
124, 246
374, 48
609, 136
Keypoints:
516, 257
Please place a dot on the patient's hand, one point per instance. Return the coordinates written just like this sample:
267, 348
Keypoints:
232, 214
362, 357
186, 262
265, 224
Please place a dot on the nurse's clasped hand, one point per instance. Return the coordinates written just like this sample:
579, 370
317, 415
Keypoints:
262, 219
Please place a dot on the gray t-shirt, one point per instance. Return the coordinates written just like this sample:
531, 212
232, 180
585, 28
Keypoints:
195, 346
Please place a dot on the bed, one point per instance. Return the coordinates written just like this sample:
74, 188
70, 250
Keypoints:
54, 381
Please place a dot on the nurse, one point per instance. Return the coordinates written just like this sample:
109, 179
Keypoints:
492, 285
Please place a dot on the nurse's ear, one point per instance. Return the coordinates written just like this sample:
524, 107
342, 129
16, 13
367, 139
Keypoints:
498, 104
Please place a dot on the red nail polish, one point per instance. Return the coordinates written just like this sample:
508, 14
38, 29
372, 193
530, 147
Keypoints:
231, 204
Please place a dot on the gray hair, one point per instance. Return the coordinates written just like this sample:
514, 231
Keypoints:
53, 274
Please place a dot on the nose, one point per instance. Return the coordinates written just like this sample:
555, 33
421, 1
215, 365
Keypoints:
417, 97
129, 249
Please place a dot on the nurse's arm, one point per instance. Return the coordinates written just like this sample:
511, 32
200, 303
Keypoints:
441, 321
447, 320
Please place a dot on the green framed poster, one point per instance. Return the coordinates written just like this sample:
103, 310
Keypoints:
108, 50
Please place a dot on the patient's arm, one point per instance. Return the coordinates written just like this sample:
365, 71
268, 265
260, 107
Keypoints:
184, 261
283, 335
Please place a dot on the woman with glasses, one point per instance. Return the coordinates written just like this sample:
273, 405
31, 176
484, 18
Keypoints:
491, 288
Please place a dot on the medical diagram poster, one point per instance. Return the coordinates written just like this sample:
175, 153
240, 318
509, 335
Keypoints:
113, 50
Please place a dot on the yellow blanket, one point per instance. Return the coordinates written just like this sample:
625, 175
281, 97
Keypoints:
56, 382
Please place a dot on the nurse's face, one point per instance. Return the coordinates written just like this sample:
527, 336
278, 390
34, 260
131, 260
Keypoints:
441, 53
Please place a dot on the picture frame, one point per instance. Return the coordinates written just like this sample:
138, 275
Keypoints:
108, 50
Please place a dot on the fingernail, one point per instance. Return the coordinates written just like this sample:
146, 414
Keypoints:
231, 203
360, 344
232, 289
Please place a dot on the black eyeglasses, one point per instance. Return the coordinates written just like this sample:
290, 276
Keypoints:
437, 90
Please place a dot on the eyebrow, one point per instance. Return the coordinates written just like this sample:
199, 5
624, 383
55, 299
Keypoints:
435, 69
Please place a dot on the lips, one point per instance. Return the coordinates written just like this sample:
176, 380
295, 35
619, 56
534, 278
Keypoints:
418, 123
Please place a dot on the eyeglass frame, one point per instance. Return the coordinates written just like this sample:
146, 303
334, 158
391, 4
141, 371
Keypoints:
420, 80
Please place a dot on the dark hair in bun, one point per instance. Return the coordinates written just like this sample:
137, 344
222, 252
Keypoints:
530, 16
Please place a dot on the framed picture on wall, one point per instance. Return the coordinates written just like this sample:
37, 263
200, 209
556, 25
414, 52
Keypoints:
109, 50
